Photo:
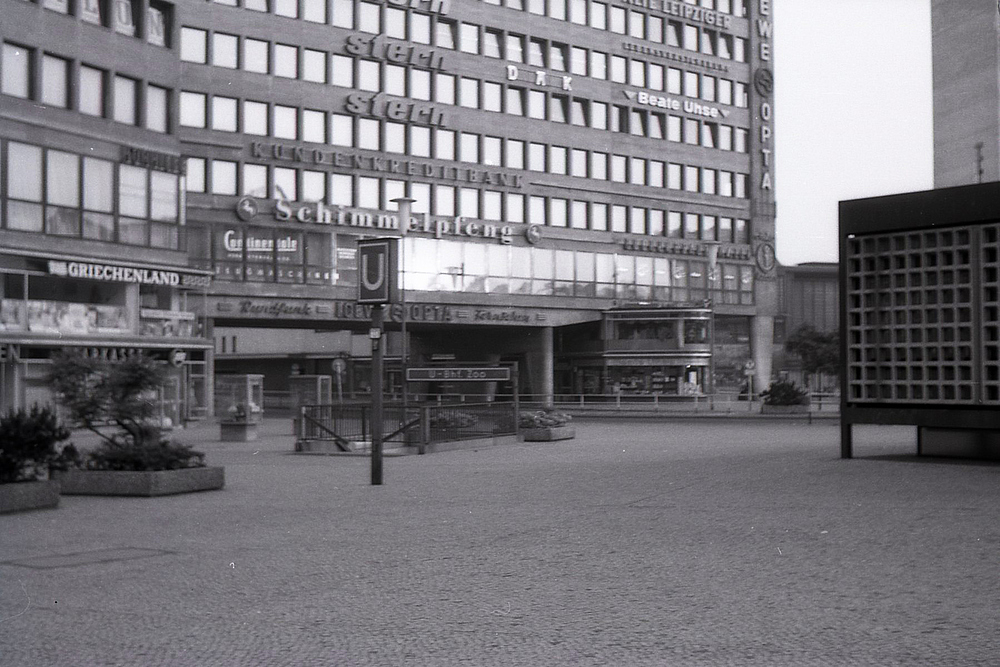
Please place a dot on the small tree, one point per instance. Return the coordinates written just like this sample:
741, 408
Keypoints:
28, 443
819, 351
97, 392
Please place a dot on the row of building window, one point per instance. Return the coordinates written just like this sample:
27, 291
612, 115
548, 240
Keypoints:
452, 266
290, 61
125, 17
421, 28
425, 142
65, 194
95, 92
225, 114
373, 193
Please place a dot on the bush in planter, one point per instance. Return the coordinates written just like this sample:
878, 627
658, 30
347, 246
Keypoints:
450, 420
114, 399
28, 442
543, 419
784, 392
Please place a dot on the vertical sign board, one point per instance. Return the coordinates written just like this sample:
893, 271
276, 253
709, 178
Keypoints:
377, 271
377, 278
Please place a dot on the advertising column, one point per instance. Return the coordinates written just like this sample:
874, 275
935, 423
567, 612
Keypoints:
761, 58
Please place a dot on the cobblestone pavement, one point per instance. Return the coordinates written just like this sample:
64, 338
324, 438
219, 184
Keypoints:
651, 543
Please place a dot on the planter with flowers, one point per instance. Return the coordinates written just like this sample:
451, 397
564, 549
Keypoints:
545, 426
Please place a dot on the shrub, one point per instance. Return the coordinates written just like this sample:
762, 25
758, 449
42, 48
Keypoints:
28, 443
543, 419
163, 455
447, 420
784, 392
114, 399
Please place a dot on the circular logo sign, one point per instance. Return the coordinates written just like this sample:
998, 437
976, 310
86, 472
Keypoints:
247, 209
765, 257
178, 357
533, 234
763, 81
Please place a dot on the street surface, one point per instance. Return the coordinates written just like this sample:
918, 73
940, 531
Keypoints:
688, 543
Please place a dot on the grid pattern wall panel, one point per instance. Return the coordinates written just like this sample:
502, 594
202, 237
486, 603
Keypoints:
910, 318
990, 263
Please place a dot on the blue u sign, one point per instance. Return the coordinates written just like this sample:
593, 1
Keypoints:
377, 271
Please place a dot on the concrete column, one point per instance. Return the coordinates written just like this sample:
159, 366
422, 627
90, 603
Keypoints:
548, 367
761, 342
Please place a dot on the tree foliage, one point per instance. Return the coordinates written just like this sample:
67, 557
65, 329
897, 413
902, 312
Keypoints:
98, 393
819, 351
28, 443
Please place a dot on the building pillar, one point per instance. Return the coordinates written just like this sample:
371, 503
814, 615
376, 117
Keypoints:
541, 371
761, 346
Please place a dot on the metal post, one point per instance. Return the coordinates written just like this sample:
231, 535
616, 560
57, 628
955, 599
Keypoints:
405, 206
378, 361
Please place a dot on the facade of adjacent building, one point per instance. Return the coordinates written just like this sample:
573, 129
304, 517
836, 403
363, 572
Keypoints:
592, 182
966, 91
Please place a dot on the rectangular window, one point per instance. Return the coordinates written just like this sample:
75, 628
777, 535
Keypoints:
598, 216
491, 96
557, 57
133, 191
599, 166
314, 11
444, 200
578, 163
285, 120
163, 199
444, 34
286, 61
368, 18
470, 38
491, 43
599, 15
343, 13
674, 176
420, 28
420, 84
288, 8
395, 137
619, 219
420, 141
557, 9
674, 224
515, 207
599, 115
55, 85
618, 163
62, 177
314, 65
444, 88
637, 221
708, 181
342, 71
341, 130
195, 177
469, 147
224, 113
724, 91
91, 91
536, 157
515, 48
157, 104
285, 184
254, 180
342, 189
469, 96
125, 100
618, 69
598, 65
515, 154
395, 80
255, 118
368, 134
224, 48
691, 183
314, 126
255, 57
558, 160
617, 21
558, 108
690, 225
444, 144
98, 197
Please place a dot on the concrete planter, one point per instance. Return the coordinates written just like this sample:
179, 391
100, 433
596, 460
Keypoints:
237, 431
548, 433
23, 496
141, 482
766, 409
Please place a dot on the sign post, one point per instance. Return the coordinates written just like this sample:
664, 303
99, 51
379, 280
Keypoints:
377, 274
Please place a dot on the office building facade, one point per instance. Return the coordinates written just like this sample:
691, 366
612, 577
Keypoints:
592, 182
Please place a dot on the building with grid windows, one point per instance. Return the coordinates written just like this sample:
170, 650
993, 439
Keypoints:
592, 180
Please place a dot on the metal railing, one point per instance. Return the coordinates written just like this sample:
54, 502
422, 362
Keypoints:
350, 425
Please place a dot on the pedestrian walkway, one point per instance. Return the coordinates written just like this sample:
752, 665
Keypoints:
674, 542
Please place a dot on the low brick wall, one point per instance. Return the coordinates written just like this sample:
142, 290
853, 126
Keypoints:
22, 496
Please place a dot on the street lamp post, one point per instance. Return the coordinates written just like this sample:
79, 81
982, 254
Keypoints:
712, 251
405, 207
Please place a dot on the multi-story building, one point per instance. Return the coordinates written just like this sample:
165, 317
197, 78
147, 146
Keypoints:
592, 180
966, 91
92, 224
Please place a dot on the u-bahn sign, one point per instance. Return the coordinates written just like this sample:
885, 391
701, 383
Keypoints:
377, 271
490, 374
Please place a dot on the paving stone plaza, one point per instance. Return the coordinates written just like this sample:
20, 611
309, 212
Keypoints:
711, 542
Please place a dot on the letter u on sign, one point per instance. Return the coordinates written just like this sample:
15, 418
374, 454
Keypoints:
377, 271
